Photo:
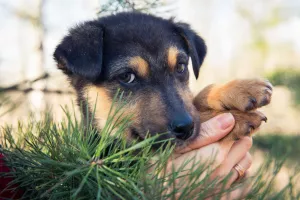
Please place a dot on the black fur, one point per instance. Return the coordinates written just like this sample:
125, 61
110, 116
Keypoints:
81, 51
97, 53
93, 44
196, 46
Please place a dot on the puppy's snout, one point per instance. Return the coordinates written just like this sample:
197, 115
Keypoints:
183, 126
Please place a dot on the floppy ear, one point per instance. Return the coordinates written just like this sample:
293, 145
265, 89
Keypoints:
81, 51
195, 44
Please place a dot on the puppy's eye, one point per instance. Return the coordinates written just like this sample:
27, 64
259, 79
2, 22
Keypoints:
181, 68
126, 77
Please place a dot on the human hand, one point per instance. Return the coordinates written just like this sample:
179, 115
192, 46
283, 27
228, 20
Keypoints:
227, 154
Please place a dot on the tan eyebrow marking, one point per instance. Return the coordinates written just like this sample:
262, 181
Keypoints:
140, 65
172, 57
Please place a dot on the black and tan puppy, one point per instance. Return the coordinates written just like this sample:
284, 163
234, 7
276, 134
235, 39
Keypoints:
148, 57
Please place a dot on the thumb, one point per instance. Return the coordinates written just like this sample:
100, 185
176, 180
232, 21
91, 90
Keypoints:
213, 130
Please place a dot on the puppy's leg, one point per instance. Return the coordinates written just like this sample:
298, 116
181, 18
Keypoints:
241, 98
243, 95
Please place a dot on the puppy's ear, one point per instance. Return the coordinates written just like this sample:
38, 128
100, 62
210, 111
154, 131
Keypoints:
195, 44
81, 51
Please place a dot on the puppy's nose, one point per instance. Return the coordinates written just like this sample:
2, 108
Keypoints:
183, 127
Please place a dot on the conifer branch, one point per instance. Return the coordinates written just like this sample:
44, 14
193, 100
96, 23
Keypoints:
58, 161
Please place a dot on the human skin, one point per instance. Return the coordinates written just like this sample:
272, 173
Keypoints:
227, 154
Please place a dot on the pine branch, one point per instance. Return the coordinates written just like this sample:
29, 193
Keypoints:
72, 160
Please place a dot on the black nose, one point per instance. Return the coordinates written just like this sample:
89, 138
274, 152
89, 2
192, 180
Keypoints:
183, 127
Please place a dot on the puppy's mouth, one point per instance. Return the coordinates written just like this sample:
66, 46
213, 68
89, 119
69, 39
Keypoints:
169, 136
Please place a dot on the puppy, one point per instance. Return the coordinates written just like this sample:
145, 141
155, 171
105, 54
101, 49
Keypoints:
147, 57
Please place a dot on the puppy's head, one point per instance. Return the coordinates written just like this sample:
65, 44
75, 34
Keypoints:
140, 54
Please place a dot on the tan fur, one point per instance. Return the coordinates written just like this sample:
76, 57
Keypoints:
142, 108
157, 109
140, 66
98, 96
172, 57
235, 97
187, 98
152, 114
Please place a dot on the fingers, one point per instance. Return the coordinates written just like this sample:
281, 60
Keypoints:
245, 163
211, 131
237, 152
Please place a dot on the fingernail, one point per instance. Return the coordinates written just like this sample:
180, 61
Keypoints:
225, 120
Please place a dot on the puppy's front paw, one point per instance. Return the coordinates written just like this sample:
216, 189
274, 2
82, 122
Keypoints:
239, 97
243, 95
246, 123
250, 94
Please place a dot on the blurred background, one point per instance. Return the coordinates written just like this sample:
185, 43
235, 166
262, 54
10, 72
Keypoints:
245, 39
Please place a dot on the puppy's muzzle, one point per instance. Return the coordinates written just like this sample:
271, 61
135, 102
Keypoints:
182, 126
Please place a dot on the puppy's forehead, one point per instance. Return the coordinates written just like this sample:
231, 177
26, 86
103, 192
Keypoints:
137, 46
141, 42
139, 34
